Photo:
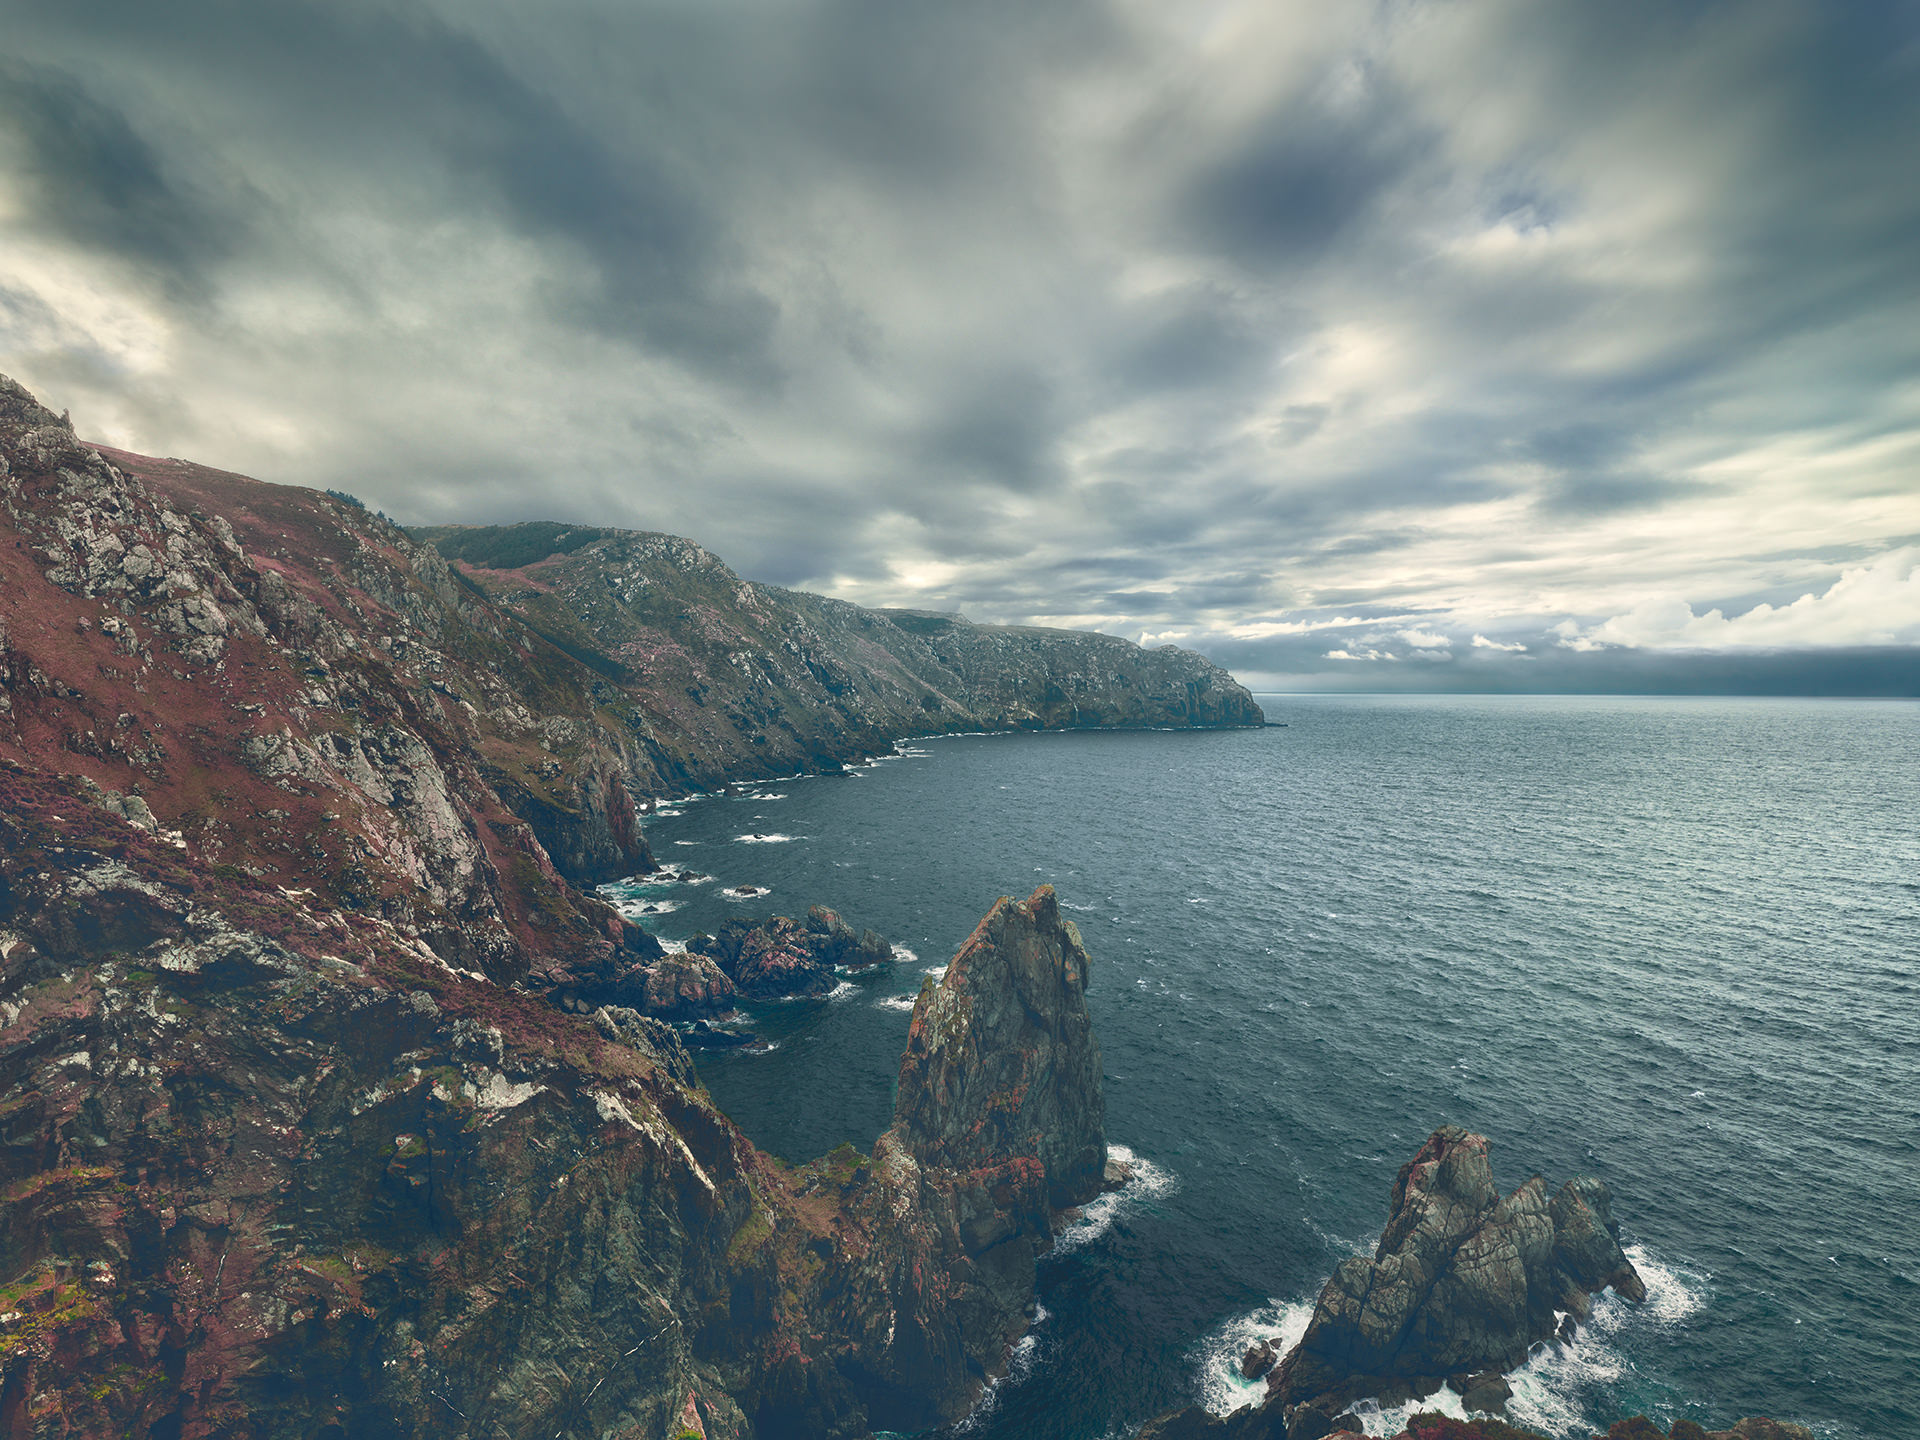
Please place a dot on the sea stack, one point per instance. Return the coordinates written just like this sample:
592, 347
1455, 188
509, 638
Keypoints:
1001, 1062
1463, 1281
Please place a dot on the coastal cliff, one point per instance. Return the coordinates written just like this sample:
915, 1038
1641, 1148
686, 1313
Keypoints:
744, 680
329, 1105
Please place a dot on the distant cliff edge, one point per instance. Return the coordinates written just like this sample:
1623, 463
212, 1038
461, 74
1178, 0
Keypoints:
743, 680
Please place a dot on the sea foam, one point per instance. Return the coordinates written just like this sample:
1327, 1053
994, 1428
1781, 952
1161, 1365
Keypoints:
1097, 1216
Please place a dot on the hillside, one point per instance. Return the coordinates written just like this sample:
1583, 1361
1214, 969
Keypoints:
739, 679
330, 1102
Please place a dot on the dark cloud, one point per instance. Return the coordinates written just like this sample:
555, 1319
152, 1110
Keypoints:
92, 180
1179, 324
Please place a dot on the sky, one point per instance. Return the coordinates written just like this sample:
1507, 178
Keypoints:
1427, 344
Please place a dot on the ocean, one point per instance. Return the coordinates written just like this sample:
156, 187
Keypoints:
1671, 942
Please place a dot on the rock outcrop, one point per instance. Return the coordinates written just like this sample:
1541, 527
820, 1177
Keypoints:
1463, 1280
998, 1124
1001, 1061
779, 957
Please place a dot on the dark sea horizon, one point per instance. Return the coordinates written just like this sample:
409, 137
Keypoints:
1672, 942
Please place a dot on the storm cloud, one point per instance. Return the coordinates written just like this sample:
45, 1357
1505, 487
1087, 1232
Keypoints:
1401, 345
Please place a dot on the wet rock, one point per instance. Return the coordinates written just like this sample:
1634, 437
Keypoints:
778, 957
1488, 1391
705, 1036
1463, 1279
1259, 1359
1001, 1059
771, 959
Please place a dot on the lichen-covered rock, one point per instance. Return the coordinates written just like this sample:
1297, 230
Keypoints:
833, 940
1463, 1279
779, 957
687, 987
1001, 1059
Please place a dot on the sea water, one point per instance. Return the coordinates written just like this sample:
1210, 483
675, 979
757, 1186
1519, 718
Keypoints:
1672, 943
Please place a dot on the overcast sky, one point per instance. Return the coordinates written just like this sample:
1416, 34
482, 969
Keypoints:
1513, 345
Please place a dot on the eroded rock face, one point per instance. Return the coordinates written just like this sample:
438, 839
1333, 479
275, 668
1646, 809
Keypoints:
998, 1123
1001, 1059
331, 1105
1464, 1279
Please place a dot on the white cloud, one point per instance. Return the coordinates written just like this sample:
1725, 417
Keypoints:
1423, 639
1361, 652
1481, 642
1873, 604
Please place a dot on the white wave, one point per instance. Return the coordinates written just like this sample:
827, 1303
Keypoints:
673, 947
897, 1002
1222, 1389
904, 956
745, 892
760, 795
843, 990
937, 971
756, 839
686, 842
1019, 1366
645, 909
1096, 1217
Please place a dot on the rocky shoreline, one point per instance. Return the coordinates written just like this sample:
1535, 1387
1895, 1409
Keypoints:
333, 1103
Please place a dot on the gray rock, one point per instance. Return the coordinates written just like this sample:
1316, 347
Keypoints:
1464, 1279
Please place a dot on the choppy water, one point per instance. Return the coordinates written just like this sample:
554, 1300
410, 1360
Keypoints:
1675, 943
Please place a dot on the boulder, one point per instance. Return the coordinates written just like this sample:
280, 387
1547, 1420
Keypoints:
1487, 1392
1259, 1359
687, 987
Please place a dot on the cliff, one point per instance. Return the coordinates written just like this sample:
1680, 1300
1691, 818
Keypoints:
739, 679
327, 1106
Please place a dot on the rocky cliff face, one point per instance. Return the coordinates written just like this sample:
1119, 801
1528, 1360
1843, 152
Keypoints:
328, 1105
1001, 1059
739, 679
998, 1123
269, 1174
